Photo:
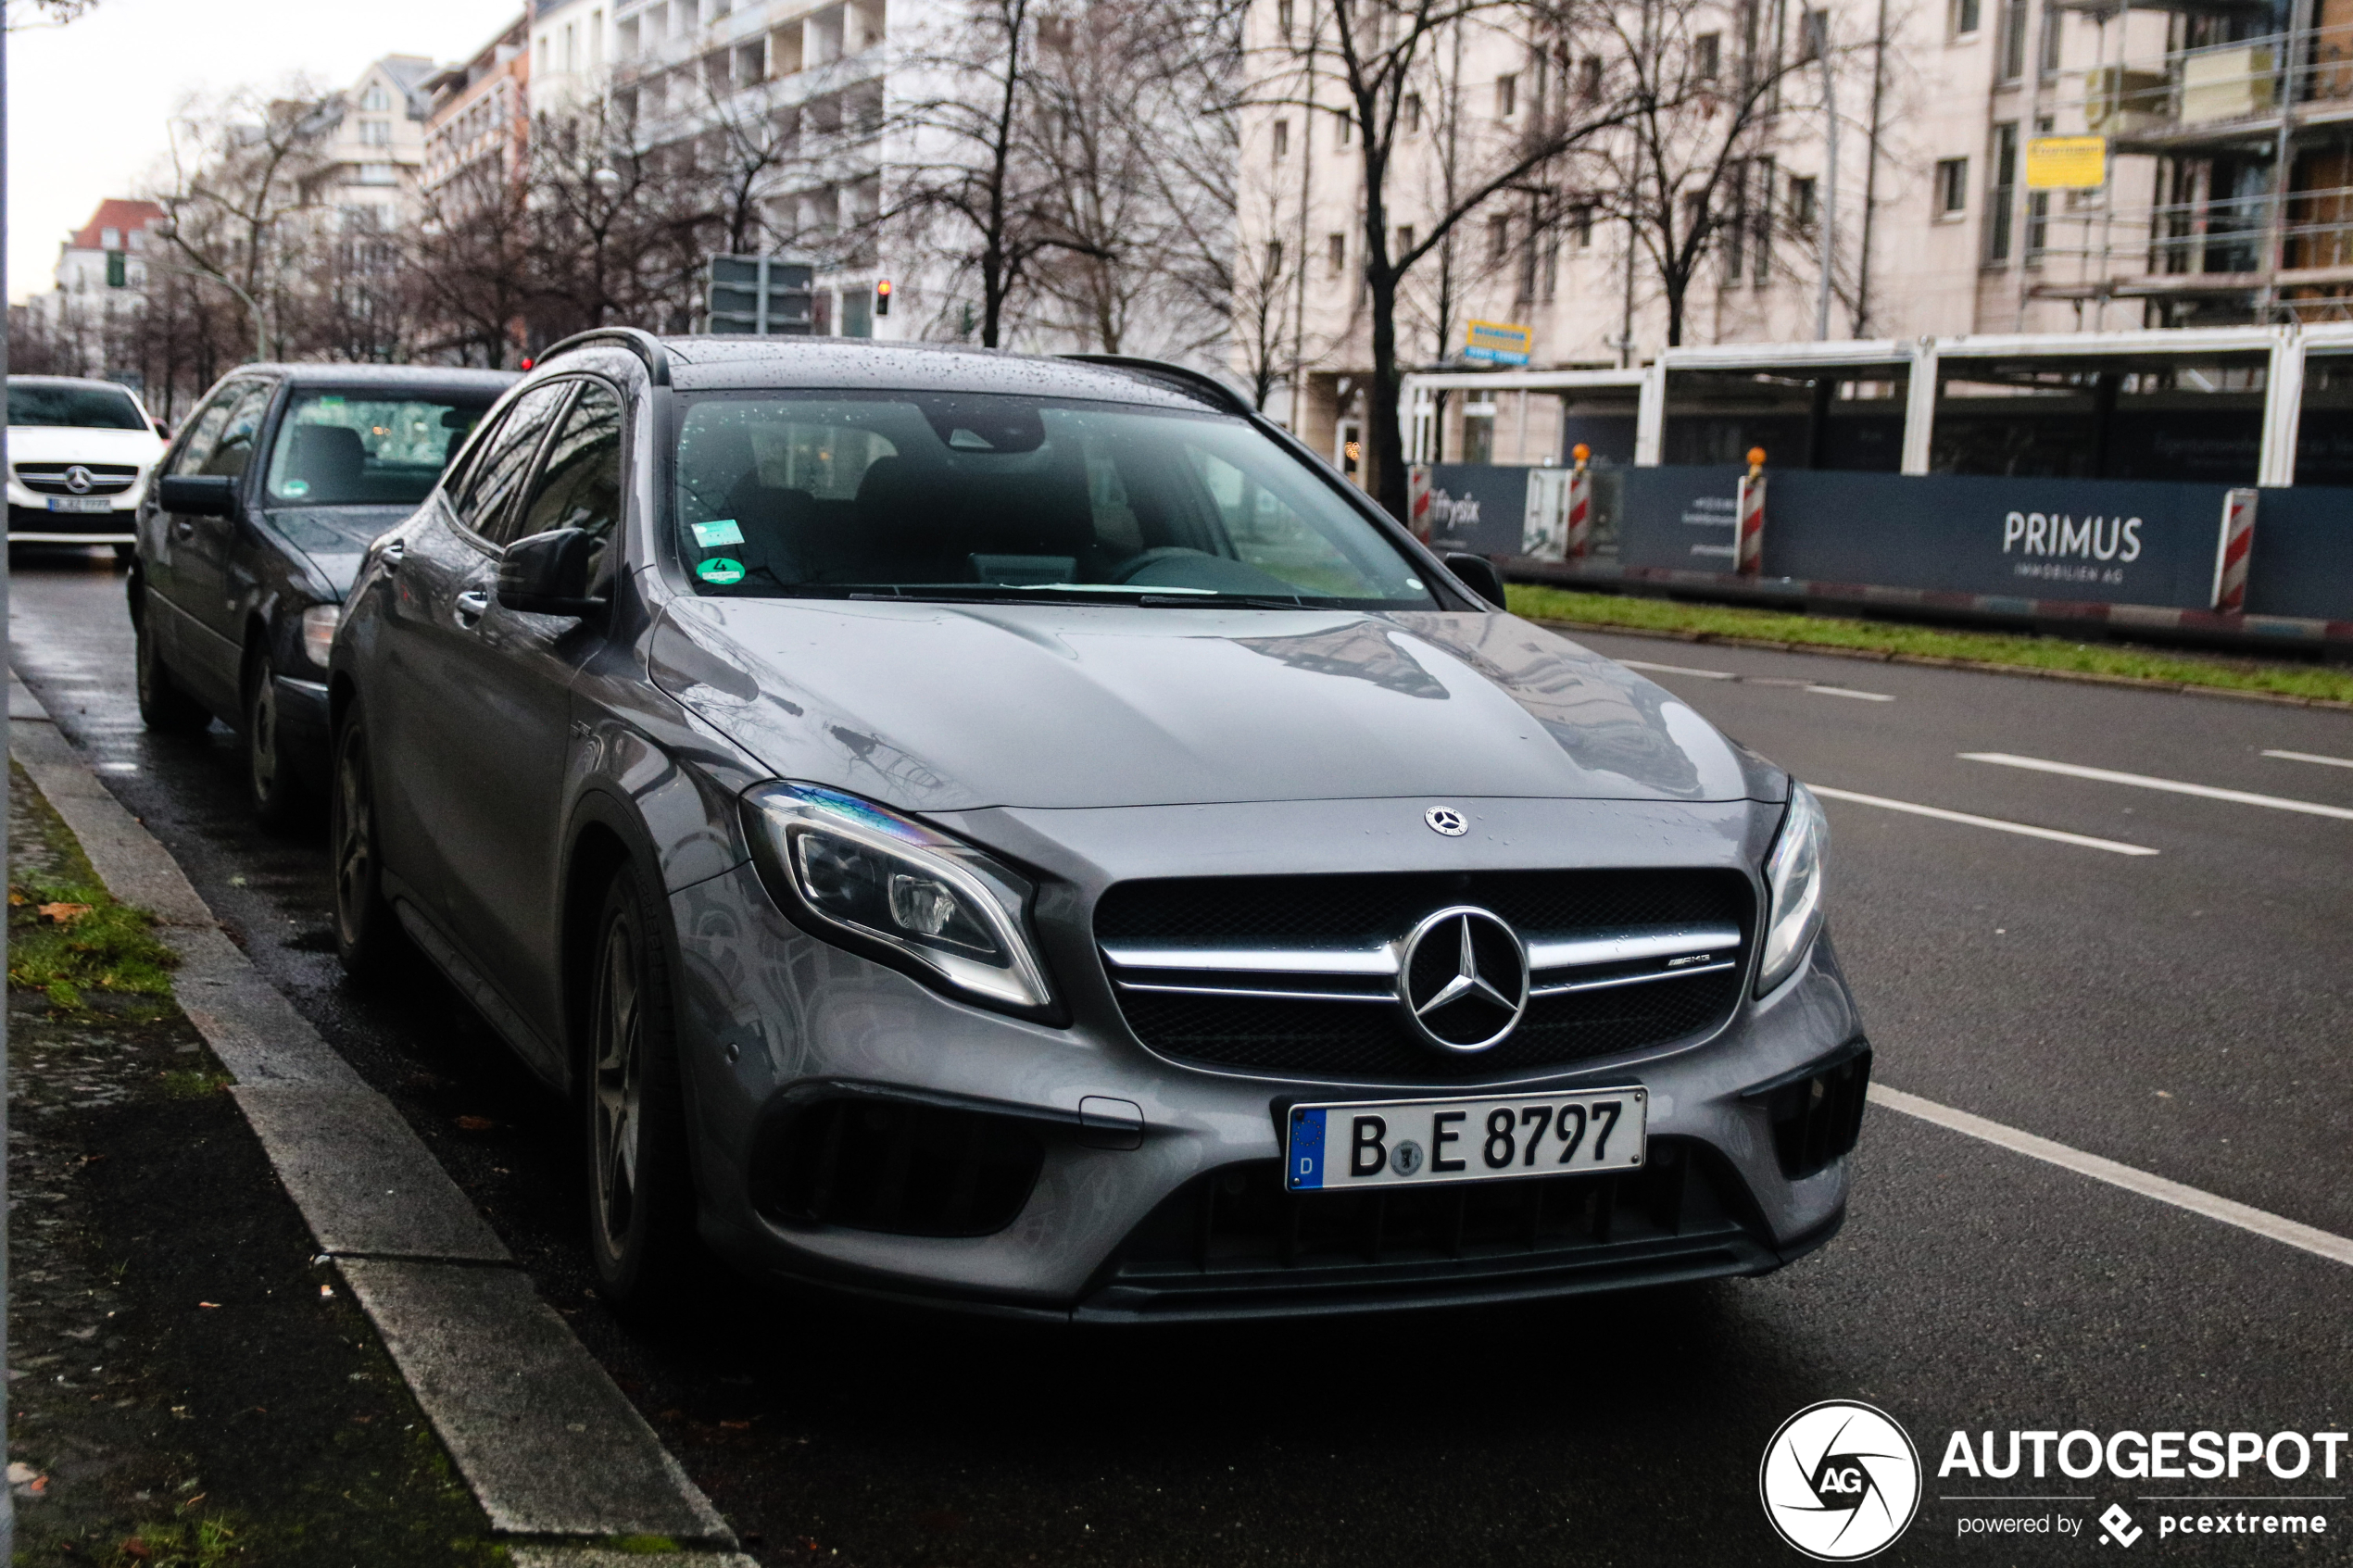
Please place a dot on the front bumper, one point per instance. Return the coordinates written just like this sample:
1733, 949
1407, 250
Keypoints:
1121, 1220
31, 523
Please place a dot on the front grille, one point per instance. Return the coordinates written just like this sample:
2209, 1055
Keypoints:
49, 479
1286, 974
1234, 1239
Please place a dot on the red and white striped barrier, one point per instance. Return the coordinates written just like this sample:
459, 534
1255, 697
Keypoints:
1417, 501
1748, 547
1579, 539
2230, 551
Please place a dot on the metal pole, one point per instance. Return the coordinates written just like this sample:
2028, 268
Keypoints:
1830, 177
7, 1497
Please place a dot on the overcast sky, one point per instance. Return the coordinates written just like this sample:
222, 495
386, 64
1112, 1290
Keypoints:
87, 103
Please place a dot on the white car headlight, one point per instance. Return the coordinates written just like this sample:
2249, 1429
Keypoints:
887, 885
1794, 876
319, 623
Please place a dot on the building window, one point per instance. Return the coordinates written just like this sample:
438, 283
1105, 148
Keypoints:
1964, 18
1814, 35
378, 174
1801, 203
1589, 77
2001, 190
1404, 240
375, 134
2013, 61
596, 39
1283, 16
1282, 138
571, 47
1410, 111
1581, 223
1344, 128
1336, 253
109, 239
1952, 186
1499, 238
1761, 221
1708, 55
1273, 259
376, 100
2038, 213
1507, 96
2046, 60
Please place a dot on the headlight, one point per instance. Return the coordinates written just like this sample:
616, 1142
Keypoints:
319, 623
892, 887
1793, 874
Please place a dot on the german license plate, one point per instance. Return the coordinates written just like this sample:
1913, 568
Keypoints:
80, 503
1470, 1138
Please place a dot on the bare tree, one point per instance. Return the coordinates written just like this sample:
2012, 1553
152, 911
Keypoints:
470, 254
1702, 118
239, 195
1374, 56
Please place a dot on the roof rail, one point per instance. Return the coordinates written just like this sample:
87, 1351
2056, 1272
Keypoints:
1194, 384
643, 344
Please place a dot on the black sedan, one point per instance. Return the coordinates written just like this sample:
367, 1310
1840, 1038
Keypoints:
266, 503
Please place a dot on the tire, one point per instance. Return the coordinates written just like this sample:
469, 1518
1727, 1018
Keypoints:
640, 1179
163, 707
369, 941
273, 787
125, 554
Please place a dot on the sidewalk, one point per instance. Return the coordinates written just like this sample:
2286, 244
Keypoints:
188, 1386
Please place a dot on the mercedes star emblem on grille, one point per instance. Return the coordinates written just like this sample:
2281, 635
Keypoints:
1446, 820
78, 480
1463, 979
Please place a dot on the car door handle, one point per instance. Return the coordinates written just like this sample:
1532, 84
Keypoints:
470, 604
392, 555
182, 528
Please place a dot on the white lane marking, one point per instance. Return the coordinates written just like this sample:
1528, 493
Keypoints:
1942, 815
1753, 680
1678, 670
2336, 1248
2172, 786
2313, 757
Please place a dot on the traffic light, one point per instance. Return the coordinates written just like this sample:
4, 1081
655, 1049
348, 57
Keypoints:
117, 273
882, 297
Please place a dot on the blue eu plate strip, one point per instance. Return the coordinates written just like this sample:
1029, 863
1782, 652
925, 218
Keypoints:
1307, 1148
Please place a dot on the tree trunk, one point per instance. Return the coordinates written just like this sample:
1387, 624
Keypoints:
1385, 452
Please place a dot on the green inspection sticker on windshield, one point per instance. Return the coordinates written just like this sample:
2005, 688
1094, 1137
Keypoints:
720, 570
710, 535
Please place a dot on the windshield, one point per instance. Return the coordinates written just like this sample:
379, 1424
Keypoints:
339, 449
922, 496
83, 408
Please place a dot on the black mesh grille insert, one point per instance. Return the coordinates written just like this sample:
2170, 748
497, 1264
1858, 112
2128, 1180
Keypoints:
1364, 1041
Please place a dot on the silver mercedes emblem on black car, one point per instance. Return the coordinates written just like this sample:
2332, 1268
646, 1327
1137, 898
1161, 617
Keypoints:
1447, 821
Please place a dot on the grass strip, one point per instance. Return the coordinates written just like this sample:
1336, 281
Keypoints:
1894, 639
66, 935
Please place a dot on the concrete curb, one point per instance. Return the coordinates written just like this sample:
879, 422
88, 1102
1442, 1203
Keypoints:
1933, 661
548, 1445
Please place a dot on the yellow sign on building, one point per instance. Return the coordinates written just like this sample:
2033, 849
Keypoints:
1498, 343
2066, 163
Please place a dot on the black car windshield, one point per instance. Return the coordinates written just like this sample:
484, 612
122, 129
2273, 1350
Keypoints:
348, 450
81, 408
928, 496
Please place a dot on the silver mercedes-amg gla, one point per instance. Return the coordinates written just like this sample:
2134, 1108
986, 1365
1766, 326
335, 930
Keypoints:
1026, 835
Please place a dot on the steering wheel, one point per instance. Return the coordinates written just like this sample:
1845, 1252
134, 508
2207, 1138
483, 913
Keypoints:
1126, 571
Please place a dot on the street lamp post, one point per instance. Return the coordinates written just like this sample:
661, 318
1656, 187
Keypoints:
1821, 41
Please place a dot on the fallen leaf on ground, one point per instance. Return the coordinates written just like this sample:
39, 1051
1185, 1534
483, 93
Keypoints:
136, 1547
193, 1500
17, 899
63, 914
477, 1124
208, 1304
736, 1425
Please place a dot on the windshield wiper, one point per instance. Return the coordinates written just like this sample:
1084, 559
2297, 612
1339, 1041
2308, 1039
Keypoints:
1228, 601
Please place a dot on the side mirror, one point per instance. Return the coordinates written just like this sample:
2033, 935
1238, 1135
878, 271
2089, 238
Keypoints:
1478, 575
550, 573
198, 494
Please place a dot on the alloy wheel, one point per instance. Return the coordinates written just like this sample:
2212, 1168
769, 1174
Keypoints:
355, 840
263, 762
618, 1083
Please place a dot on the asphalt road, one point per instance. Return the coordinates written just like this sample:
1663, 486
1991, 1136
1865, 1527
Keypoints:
2185, 1012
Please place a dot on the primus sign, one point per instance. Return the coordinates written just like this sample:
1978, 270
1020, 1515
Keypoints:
2114, 541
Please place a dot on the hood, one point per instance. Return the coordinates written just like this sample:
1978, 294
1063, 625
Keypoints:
75, 444
336, 538
932, 707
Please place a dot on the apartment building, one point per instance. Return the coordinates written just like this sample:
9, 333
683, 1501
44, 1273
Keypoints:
372, 153
794, 94
85, 315
1921, 201
479, 126
571, 51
